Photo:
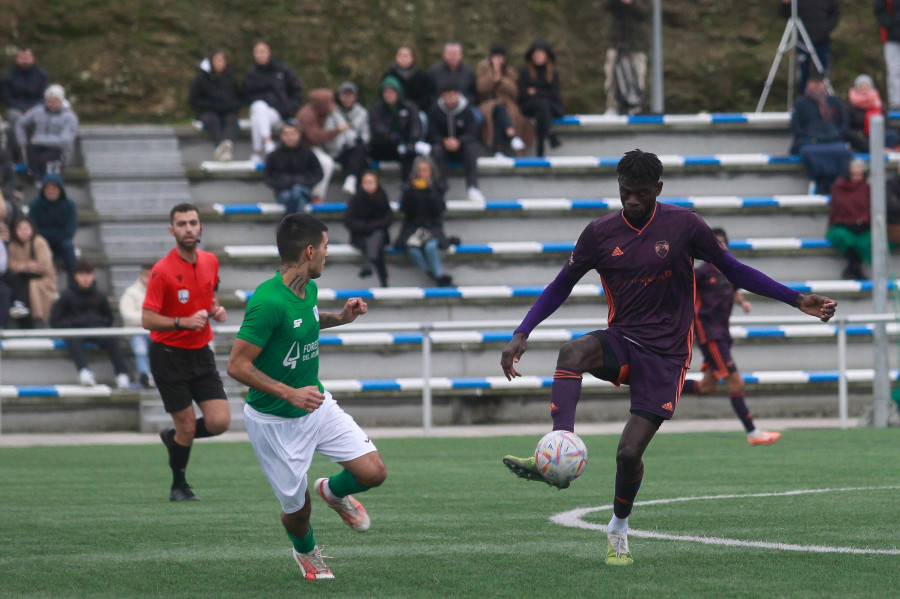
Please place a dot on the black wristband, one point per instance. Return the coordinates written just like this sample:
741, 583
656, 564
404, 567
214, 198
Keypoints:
177, 327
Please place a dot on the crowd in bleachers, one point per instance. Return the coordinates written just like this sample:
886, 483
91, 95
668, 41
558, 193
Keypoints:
422, 118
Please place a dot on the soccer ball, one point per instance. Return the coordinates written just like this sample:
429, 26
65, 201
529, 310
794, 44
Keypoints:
561, 456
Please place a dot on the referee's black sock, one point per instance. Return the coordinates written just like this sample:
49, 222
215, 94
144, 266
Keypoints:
178, 461
201, 431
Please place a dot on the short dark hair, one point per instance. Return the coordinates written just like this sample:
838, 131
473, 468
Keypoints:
720, 232
297, 232
83, 266
640, 167
183, 207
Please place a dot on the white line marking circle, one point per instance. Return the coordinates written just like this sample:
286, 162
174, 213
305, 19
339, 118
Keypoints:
573, 518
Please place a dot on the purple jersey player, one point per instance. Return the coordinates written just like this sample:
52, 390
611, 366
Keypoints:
715, 299
644, 255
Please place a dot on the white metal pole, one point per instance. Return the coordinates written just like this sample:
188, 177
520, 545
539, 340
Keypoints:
842, 371
881, 386
426, 380
657, 100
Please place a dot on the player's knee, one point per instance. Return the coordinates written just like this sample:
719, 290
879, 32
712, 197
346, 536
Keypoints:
571, 356
628, 458
374, 475
218, 423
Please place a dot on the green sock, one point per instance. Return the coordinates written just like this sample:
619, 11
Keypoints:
344, 483
305, 544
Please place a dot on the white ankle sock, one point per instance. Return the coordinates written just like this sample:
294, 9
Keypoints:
326, 490
618, 524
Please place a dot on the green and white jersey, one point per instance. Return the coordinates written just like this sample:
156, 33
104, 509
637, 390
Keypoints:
287, 329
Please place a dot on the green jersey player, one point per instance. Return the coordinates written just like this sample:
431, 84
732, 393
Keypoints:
289, 415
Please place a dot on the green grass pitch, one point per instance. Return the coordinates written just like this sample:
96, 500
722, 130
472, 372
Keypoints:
450, 521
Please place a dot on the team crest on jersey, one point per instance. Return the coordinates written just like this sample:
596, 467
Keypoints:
316, 312
184, 295
662, 248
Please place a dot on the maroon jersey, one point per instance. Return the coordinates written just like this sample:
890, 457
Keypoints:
648, 274
715, 298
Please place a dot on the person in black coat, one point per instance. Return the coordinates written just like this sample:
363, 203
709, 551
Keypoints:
292, 170
453, 134
21, 89
216, 99
539, 92
82, 306
417, 85
273, 92
395, 127
368, 217
422, 232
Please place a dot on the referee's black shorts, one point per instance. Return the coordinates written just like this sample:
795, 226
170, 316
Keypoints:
185, 375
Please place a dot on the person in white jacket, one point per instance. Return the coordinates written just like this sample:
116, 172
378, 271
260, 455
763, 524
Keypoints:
130, 307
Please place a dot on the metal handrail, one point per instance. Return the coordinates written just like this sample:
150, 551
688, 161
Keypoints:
427, 328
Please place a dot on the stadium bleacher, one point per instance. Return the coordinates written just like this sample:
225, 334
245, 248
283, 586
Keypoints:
510, 247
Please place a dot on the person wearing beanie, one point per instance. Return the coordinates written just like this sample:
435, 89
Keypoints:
349, 147
56, 219
505, 129
863, 101
396, 127
53, 126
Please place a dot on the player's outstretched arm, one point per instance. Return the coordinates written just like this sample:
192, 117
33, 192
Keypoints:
816, 305
511, 354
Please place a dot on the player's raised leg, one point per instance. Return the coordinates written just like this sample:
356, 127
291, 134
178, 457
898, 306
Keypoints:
575, 357
358, 476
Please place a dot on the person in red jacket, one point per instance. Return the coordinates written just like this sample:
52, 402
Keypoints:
180, 301
849, 229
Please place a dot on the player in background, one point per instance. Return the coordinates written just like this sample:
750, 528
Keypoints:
180, 301
715, 299
644, 255
289, 415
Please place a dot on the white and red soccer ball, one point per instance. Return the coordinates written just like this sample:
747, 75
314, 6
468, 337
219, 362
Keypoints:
561, 456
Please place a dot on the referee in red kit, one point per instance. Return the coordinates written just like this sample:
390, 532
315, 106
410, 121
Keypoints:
180, 300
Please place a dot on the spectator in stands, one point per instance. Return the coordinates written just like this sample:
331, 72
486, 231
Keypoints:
131, 308
863, 102
819, 122
819, 18
417, 85
83, 306
216, 98
422, 232
21, 89
292, 170
273, 92
56, 220
31, 275
505, 129
46, 133
453, 134
312, 119
849, 229
349, 147
5, 290
539, 92
452, 69
629, 37
889, 23
892, 199
368, 217
396, 129
10, 211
